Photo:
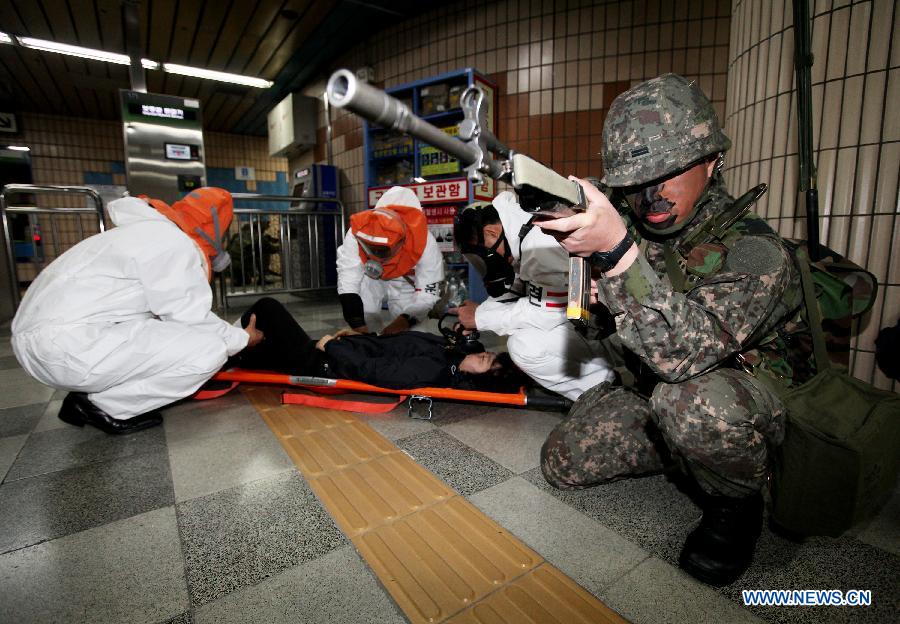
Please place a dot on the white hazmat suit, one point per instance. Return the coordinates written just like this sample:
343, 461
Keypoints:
542, 342
125, 316
414, 294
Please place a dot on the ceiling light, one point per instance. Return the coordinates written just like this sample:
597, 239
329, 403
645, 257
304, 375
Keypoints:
72, 50
18, 148
80, 52
123, 59
196, 72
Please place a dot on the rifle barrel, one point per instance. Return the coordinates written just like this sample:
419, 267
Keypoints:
345, 90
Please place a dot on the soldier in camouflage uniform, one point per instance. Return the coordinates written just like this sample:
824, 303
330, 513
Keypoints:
707, 300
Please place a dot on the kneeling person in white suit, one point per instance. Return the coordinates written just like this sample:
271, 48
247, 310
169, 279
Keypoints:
123, 319
527, 276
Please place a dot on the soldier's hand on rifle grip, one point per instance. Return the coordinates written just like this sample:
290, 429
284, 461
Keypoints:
599, 228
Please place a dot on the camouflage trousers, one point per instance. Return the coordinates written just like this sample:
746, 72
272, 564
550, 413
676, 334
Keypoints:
719, 426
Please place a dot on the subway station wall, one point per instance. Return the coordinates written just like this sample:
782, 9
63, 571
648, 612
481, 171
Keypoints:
74, 151
856, 136
558, 66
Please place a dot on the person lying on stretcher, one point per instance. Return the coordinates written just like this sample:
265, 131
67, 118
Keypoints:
406, 359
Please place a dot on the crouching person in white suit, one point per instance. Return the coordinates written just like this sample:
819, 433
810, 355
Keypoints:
389, 253
123, 319
527, 276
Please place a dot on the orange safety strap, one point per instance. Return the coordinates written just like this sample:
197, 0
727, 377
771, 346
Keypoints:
204, 394
364, 407
211, 393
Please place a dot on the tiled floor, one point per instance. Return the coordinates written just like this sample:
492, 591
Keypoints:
207, 520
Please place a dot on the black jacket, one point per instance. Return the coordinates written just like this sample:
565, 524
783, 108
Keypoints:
405, 360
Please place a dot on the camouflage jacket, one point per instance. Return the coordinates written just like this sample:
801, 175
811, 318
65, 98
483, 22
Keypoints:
740, 304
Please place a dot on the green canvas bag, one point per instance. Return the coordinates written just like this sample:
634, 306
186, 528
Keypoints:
841, 452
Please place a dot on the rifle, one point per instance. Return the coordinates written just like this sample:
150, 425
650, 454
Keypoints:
540, 189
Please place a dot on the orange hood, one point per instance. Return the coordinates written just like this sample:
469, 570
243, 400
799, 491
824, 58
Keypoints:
393, 233
204, 215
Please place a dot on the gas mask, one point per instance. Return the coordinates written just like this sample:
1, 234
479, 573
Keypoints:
204, 215
460, 341
494, 268
377, 249
222, 259
373, 269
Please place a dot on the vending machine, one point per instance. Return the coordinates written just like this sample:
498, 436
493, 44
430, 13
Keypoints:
316, 181
314, 238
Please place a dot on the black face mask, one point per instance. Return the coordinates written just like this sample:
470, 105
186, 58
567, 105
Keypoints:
494, 268
458, 340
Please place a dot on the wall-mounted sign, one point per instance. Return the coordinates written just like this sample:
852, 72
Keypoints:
244, 173
485, 191
437, 192
440, 224
9, 123
141, 110
433, 161
149, 110
175, 151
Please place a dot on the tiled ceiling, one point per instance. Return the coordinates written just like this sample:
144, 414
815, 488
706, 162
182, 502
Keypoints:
285, 41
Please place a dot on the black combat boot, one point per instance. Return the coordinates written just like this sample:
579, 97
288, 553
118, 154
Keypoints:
77, 410
719, 550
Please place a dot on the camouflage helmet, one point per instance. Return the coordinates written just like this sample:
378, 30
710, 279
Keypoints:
657, 128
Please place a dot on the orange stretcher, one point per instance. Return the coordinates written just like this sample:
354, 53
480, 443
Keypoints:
416, 396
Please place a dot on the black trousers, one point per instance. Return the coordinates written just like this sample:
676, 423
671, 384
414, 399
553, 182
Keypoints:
287, 348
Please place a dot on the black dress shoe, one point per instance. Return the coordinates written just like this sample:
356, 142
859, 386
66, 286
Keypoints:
720, 550
78, 410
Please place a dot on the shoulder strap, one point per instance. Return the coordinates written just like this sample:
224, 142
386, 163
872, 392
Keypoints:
524, 230
717, 225
813, 315
738, 209
713, 228
675, 269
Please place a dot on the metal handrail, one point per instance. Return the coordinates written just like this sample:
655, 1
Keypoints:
286, 198
285, 211
21, 189
285, 235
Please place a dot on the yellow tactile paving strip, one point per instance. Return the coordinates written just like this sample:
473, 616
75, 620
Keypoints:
367, 496
542, 595
440, 557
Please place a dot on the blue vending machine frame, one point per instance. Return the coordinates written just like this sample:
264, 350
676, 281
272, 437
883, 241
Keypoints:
321, 181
